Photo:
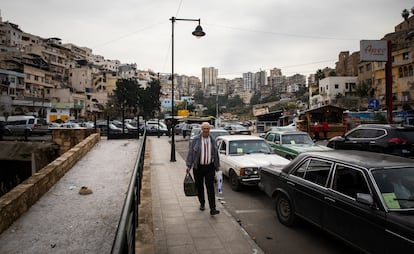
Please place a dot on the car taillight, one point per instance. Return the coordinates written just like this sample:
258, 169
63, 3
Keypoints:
397, 141
35, 126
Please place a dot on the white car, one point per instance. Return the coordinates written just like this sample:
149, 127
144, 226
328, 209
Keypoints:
242, 157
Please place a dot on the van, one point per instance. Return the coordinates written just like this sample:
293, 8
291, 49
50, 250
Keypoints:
26, 125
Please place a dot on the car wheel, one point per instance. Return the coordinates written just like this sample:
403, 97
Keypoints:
284, 210
234, 181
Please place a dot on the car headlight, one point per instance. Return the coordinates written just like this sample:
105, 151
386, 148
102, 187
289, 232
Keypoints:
248, 171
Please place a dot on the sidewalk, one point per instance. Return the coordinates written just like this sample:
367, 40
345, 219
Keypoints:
62, 221
179, 226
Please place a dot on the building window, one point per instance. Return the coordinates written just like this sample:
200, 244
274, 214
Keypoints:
368, 67
400, 72
410, 70
336, 86
405, 56
361, 69
346, 86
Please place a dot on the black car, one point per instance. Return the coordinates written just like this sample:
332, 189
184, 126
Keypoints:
153, 129
381, 138
363, 198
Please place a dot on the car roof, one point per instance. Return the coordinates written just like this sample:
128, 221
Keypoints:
240, 137
384, 126
361, 158
287, 132
218, 130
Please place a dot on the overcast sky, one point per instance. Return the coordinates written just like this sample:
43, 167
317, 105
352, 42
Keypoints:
298, 36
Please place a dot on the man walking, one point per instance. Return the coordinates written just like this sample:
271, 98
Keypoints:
204, 159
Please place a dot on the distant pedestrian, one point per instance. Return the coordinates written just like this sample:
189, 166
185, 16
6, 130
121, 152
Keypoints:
316, 131
169, 125
204, 159
184, 129
325, 129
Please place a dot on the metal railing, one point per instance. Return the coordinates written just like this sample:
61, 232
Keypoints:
124, 241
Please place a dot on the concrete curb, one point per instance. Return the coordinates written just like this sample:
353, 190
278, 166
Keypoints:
145, 235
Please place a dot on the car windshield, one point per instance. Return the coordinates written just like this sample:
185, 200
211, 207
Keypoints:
296, 139
239, 127
215, 134
248, 146
396, 186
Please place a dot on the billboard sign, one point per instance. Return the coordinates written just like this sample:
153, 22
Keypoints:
373, 50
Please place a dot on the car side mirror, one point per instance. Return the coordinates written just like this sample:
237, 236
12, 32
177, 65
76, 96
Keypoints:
365, 198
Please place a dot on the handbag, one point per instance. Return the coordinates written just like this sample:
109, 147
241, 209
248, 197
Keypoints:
190, 188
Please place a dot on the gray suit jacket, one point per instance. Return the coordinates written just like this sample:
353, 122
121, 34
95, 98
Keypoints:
194, 153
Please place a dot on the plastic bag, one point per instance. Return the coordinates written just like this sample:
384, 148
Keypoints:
219, 177
190, 188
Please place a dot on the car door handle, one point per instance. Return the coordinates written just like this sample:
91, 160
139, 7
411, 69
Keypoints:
329, 199
290, 183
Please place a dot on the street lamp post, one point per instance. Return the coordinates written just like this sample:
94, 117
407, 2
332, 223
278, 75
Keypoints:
198, 32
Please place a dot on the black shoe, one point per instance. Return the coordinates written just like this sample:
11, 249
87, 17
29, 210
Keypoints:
202, 208
214, 212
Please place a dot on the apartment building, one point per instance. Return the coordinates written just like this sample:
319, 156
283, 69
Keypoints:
208, 77
330, 88
373, 73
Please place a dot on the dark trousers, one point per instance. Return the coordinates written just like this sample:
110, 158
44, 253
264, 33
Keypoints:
204, 174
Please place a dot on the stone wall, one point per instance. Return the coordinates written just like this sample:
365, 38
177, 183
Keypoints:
17, 201
68, 138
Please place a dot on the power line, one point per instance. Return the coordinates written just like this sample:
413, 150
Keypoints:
129, 34
283, 34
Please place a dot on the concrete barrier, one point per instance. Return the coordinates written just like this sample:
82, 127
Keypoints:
17, 201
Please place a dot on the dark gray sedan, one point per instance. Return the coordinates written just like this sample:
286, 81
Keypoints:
363, 198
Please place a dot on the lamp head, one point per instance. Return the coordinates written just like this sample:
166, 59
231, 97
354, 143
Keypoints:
198, 32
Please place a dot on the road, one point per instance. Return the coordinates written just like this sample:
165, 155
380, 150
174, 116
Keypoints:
255, 213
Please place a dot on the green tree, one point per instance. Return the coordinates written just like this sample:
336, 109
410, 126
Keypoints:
126, 94
319, 75
362, 90
133, 98
236, 101
255, 99
149, 99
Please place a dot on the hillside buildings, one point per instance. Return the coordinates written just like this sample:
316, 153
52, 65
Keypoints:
51, 79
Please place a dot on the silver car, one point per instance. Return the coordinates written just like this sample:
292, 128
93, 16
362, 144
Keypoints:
243, 156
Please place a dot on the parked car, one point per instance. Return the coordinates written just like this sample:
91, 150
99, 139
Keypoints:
131, 128
70, 125
354, 195
194, 132
242, 156
103, 126
153, 129
289, 144
26, 125
213, 132
289, 127
381, 138
237, 129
